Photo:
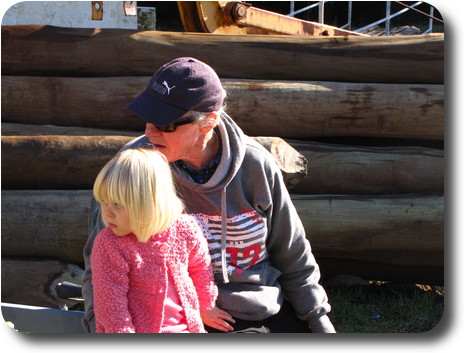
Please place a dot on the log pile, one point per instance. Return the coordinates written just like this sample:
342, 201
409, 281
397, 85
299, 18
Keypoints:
372, 209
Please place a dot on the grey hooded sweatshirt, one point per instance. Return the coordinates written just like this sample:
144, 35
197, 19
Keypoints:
257, 242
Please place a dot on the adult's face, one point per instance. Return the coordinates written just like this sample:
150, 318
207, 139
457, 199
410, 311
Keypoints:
184, 143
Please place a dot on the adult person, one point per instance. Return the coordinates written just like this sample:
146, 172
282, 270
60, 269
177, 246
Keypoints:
267, 276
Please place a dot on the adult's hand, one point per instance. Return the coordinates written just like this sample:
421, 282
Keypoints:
321, 325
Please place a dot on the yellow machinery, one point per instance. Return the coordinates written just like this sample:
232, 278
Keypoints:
237, 17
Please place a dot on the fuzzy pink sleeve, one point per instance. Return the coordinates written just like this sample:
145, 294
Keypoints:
111, 284
200, 269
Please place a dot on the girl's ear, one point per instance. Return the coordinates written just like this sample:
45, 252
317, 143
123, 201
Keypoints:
209, 122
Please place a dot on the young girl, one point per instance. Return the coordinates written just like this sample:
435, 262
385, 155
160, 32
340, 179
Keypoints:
151, 265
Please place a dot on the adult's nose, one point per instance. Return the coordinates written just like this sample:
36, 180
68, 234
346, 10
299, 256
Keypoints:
151, 130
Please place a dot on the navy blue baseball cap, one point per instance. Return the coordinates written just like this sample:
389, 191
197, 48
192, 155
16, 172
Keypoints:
181, 85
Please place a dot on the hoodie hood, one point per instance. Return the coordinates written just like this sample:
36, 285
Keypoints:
233, 153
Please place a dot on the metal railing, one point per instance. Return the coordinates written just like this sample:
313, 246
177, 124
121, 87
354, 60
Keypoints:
387, 19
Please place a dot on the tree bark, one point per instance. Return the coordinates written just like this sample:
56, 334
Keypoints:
357, 170
45, 223
395, 229
33, 282
299, 110
14, 129
56, 162
75, 160
404, 230
76, 155
55, 51
287, 109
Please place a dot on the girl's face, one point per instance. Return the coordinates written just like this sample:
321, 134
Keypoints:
116, 217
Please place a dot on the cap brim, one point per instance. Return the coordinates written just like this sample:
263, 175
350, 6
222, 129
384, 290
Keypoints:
154, 111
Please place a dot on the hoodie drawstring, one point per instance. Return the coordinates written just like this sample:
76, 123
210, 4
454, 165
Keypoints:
224, 236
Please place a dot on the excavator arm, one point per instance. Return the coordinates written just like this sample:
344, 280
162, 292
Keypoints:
237, 17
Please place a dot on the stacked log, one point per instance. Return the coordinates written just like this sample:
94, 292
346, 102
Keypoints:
374, 210
316, 108
72, 52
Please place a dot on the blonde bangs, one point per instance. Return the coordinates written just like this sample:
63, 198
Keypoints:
108, 185
141, 181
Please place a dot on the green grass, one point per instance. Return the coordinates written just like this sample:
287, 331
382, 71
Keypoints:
385, 308
381, 308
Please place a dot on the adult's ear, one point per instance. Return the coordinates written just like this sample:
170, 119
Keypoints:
209, 122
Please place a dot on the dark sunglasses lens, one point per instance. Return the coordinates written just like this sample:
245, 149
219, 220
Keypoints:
167, 128
172, 127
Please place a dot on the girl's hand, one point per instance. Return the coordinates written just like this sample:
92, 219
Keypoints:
217, 318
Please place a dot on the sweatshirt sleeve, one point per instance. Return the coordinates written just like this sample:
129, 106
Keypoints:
200, 269
290, 252
111, 285
95, 226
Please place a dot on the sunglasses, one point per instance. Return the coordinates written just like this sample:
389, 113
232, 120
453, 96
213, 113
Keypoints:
172, 127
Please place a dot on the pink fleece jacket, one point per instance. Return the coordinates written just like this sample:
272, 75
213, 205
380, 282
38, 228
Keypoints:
130, 278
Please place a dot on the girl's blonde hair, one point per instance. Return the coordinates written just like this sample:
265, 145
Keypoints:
140, 180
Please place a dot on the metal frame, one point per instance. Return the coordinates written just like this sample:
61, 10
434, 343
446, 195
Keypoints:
386, 19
